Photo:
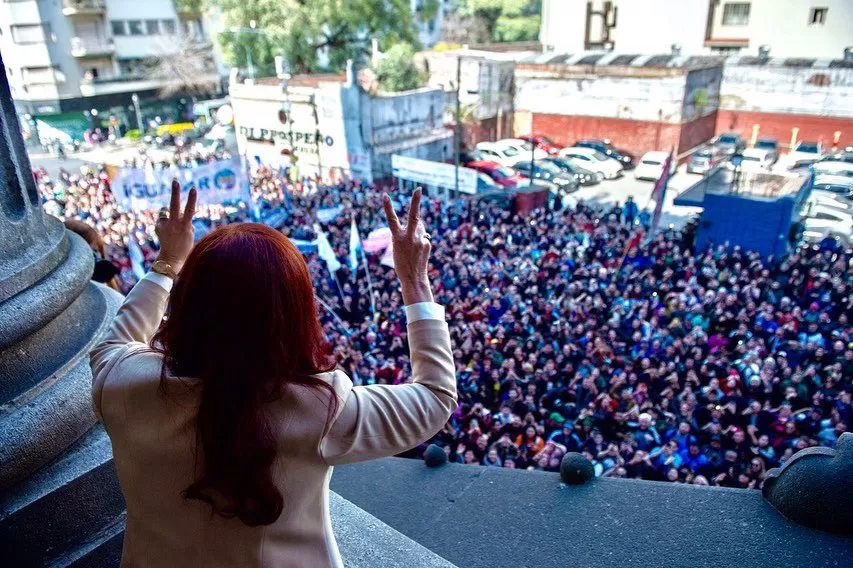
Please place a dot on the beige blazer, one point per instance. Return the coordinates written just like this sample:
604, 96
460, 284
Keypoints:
153, 439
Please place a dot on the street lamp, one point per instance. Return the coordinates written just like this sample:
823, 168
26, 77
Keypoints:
135, 98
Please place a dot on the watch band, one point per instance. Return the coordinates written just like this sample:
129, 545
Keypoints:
164, 268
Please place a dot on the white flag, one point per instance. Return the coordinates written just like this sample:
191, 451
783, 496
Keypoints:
325, 250
136, 257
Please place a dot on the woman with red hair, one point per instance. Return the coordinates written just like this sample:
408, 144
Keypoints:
227, 416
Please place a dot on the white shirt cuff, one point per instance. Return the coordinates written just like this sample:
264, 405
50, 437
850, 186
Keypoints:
160, 280
424, 311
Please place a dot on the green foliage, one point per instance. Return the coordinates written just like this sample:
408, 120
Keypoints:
700, 100
134, 134
396, 71
190, 5
507, 20
428, 10
303, 29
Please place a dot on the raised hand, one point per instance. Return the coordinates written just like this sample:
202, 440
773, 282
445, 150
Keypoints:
175, 230
411, 251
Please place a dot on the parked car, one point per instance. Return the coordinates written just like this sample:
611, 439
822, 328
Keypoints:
846, 156
543, 143
729, 143
593, 160
582, 176
772, 147
509, 151
843, 190
625, 158
545, 171
754, 160
501, 175
703, 160
820, 221
831, 201
805, 153
651, 166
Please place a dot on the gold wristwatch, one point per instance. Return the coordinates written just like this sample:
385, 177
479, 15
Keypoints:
164, 268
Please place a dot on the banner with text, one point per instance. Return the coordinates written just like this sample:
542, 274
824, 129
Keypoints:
140, 189
436, 174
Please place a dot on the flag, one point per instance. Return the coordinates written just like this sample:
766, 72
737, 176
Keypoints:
328, 214
325, 250
659, 194
136, 257
354, 246
378, 239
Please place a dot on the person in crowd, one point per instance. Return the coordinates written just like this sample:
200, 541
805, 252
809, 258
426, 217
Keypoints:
553, 324
225, 423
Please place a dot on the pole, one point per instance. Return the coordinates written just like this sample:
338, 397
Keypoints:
135, 98
249, 62
457, 134
532, 156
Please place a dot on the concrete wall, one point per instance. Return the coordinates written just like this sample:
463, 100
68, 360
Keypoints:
652, 26
486, 84
794, 90
784, 26
563, 25
624, 94
386, 118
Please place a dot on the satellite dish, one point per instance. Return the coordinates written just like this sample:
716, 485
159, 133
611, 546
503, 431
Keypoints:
225, 115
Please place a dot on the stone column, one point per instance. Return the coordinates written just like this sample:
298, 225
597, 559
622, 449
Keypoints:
51, 314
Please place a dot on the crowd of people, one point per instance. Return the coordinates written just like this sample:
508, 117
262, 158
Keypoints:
653, 361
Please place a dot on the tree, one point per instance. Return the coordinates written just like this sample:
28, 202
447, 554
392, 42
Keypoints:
506, 20
314, 35
183, 67
397, 71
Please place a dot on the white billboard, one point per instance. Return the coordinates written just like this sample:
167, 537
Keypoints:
436, 174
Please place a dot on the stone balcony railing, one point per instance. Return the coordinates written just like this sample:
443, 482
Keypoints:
83, 7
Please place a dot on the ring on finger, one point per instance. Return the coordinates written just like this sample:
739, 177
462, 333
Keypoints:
427, 236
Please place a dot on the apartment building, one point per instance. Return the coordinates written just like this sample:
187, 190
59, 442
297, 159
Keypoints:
71, 61
816, 29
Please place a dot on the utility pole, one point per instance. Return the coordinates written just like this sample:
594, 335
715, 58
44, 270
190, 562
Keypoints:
457, 131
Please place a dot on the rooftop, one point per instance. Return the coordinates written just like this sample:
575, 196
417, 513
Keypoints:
752, 185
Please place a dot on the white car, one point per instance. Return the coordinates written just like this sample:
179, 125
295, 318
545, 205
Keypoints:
510, 151
756, 160
804, 152
593, 160
820, 221
831, 201
651, 164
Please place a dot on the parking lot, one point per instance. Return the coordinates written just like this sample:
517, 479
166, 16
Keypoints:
618, 190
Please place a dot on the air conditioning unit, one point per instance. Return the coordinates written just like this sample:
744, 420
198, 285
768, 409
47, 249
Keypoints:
848, 54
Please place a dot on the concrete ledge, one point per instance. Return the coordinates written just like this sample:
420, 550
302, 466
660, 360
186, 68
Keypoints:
366, 542
486, 517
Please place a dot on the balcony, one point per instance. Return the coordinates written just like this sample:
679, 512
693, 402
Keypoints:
81, 47
84, 7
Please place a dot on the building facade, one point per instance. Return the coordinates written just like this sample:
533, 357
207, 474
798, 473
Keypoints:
328, 127
65, 58
642, 103
485, 94
790, 100
781, 28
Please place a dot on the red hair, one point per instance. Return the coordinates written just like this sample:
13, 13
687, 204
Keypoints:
243, 322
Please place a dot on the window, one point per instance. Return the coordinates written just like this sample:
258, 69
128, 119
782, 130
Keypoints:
153, 27
30, 33
168, 27
736, 14
118, 27
817, 16
136, 28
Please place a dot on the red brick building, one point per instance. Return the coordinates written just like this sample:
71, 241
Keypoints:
788, 99
640, 102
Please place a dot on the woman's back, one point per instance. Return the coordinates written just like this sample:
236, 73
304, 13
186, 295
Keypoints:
159, 434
